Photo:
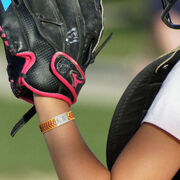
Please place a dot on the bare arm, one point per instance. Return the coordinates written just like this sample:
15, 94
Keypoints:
152, 154
71, 157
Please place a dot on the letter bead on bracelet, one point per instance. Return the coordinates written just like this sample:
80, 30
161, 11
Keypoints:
56, 121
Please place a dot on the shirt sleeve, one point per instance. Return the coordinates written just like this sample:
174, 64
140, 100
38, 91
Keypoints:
165, 109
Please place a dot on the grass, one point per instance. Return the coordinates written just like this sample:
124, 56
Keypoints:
127, 43
27, 150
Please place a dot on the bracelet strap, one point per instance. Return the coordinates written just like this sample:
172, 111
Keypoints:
56, 121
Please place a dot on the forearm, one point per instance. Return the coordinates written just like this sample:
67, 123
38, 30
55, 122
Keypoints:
71, 157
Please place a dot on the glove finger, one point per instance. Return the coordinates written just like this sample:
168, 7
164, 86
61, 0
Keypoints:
74, 27
76, 24
11, 30
59, 17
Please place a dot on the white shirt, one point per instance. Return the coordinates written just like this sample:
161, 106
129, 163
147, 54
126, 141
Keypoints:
165, 109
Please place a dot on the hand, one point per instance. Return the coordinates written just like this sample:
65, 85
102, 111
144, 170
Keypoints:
49, 45
55, 45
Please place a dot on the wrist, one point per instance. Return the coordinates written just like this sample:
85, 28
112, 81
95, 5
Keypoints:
49, 107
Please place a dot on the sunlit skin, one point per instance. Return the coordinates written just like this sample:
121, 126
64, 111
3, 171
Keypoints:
151, 154
165, 37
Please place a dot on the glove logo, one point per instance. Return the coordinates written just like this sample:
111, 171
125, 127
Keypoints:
62, 67
6, 4
76, 81
72, 36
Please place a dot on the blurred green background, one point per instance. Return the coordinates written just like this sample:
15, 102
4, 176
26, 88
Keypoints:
25, 156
